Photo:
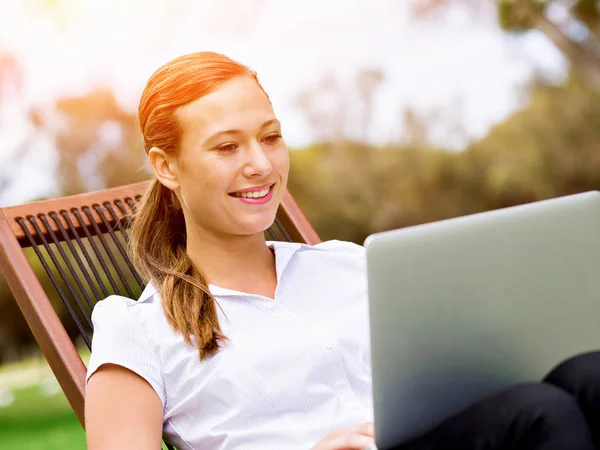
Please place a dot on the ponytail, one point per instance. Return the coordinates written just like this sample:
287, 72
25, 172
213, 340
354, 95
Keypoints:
158, 250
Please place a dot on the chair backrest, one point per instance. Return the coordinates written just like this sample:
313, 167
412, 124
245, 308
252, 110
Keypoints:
80, 241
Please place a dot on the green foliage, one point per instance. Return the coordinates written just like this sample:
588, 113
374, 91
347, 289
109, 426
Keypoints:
588, 12
375, 189
550, 148
35, 421
518, 16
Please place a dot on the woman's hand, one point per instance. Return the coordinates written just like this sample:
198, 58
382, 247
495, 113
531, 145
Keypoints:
359, 437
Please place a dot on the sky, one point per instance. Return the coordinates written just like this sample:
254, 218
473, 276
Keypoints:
292, 44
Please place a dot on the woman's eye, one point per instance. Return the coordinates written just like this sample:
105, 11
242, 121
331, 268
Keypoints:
272, 138
226, 148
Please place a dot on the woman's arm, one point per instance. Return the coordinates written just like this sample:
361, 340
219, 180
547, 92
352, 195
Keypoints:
122, 411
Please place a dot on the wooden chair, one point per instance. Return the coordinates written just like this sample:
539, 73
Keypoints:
80, 241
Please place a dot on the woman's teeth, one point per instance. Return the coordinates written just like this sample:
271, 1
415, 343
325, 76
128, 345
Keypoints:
254, 194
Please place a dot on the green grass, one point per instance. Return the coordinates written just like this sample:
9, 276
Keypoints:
37, 420
40, 422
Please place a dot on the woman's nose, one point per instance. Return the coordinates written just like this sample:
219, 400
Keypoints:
257, 161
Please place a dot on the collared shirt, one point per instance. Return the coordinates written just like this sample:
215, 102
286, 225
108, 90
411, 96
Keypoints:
293, 369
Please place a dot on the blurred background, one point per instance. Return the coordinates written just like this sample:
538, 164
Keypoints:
397, 112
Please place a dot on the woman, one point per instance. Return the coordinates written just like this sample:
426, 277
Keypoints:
241, 344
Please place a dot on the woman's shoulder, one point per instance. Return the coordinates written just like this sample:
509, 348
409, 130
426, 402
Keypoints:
332, 246
326, 252
341, 247
332, 254
335, 250
126, 334
117, 311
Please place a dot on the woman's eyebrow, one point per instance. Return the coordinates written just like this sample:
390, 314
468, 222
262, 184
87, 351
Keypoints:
269, 122
237, 131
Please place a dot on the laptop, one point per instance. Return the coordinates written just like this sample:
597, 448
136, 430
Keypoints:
465, 307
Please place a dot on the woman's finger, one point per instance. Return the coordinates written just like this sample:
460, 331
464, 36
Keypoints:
366, 428
352, 442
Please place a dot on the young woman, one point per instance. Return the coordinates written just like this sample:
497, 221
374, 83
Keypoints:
237, 343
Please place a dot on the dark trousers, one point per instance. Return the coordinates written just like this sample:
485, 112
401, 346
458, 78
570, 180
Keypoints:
560, 413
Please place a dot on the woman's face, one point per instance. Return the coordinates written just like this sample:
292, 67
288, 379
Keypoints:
232, 166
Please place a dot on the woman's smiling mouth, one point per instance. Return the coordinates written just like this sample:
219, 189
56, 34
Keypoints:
254, 196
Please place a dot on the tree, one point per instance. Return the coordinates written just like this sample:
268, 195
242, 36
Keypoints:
337, 113
98, 145
573, 26
367, 83
548, 149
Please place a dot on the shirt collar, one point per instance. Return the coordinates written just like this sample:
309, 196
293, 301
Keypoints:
148, 292
284, 251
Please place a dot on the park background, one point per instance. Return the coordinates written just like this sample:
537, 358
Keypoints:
396, 112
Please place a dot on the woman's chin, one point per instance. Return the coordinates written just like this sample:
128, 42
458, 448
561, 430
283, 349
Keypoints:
250, 229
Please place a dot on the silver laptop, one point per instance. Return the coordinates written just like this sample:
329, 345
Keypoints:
465, 307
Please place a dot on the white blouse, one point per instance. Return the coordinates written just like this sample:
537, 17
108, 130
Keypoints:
293, 368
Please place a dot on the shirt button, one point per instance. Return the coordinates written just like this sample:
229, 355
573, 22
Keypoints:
328, 345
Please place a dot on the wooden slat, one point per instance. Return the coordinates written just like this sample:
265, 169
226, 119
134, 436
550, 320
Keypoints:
43, 321
295, 222
67, 203
289, 214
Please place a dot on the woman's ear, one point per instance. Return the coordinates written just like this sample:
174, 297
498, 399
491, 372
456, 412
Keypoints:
164, 167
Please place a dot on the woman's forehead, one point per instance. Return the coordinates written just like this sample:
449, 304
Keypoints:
239, 100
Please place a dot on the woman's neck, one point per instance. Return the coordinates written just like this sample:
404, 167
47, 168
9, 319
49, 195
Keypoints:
241, 263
